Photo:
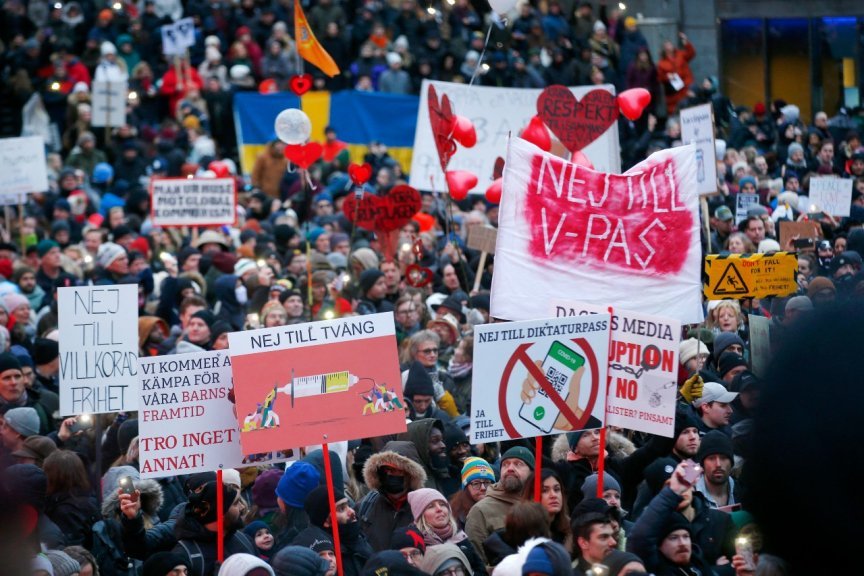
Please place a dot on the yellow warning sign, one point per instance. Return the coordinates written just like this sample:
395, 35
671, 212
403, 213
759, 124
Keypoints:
750, 275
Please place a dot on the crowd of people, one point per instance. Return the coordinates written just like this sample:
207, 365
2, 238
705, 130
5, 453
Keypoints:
426, 501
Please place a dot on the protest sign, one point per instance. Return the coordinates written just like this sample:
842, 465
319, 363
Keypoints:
629, 240
98, 328
24, 170
317, 382
12, 199
760, 344
177, 37
743, 203
750, 275
831, 195
482, 238
539, 377
192, 392
496, 114
807, 229
109, 103
643, 368
193, 202
697, 128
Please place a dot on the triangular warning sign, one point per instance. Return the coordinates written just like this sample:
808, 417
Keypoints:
731, 283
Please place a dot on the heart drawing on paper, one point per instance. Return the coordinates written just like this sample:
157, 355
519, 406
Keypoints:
577, 123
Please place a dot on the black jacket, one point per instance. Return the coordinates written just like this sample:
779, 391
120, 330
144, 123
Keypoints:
75, 515
198, 545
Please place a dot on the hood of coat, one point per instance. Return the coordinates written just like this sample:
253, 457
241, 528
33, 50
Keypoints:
401, 455
418, 434
151, 499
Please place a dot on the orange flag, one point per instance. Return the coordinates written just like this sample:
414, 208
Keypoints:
308, 46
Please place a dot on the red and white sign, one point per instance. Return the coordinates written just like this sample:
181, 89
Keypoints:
629, 240
193, 202
317, 383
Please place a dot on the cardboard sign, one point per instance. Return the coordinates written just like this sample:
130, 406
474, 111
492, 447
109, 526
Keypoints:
743, 203
629, 240
109, 103
24, 170
187, 422
808, 229
643, 368
750, 275
831, 195
193, 202
497, 113
482, 238
177, 37
317, 382
385, 213
760, 344
98, 349
697, 128
539, 377
577, 123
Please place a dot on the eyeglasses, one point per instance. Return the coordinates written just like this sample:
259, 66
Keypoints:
480, 484
412, 554
429, 351
452, 571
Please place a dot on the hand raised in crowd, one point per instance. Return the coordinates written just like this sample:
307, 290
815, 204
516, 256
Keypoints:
130, 504
692, 388
530, 388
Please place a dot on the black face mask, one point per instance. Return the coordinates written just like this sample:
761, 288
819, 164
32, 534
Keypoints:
349, 532
391, 484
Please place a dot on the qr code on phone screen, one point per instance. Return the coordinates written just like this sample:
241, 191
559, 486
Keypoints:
556, 378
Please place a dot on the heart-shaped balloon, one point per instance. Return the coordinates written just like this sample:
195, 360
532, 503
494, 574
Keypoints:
577, 123
219, 168
442, 120
633, 102
463, 132
385, 213
360, 173
493, 192
268, 86
300, 84
536, 133
459, 183
498, 168
304, 155
418, 276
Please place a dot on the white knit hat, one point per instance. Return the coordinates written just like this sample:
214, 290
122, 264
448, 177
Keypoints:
689, 349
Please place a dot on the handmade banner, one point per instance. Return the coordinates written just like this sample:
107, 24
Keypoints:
629, 240
192, 392
760, 344
496, 114
317, 382
643, 368
831, 195
24, 169
540, 377
193, 202
697, 128
109, 103
743, 203
750, 275
98, 328
177, 37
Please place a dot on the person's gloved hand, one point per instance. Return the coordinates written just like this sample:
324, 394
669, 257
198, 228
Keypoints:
692, 389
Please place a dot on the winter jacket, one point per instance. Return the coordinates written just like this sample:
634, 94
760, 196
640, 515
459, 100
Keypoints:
488, 515
75, 515
418, 433
496, 548
355, 549
268, 171
199, 545
109, 541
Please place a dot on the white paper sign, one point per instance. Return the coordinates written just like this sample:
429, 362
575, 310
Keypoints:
832, 195
643, 368
177, 37
697, 127
23, 161
743, 203
193, 201
109, 103
497, 113
539, 377
98, 349
187, 422
760, 344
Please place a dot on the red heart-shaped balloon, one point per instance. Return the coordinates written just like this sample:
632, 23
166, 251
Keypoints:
536, 133
300, 84
459, 183
463, 132
577, 123
385, 213
498, 168
360, 173
303, 155
219, 168
442, 120
417, 276
632, 102
493, 192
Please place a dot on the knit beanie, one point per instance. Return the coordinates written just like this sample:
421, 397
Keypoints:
242, 564
420, 499
264, 489
62, 563
202, 501
368, 279
253, 527
728, 361
521, 453
407, 537
231, 477
13, 301
207, 316
548, 557
419, 382
675, 522
658, 472
45, 350
589, 487
476, 469
161, 563
316, 459
299, 561
46, 246
24, 420
127, 432
9, 361
684, 419
389, 563
108, 253
296, 483
314, 540
27, 484
454, 435
538, 561
715, 442
689, 349
617, 559
317, 505
243, 266
725, 339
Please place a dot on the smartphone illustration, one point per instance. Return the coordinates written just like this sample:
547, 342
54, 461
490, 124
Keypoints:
559, 365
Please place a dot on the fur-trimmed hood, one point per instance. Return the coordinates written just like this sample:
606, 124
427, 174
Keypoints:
616, 445
151, 499
399, 454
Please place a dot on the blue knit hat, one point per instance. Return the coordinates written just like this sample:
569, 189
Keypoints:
252, 528
538, 562
476, 469
298, 480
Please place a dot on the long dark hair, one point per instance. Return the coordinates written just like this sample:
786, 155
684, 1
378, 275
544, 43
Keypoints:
559, 525
65, 473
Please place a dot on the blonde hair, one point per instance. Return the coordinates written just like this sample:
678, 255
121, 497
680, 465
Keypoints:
714, 312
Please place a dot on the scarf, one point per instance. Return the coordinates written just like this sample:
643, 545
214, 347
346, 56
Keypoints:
444, 536
459, 369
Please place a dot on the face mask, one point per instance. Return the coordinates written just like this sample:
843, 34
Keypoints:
241, 295
392, 484
438, 461
349, 532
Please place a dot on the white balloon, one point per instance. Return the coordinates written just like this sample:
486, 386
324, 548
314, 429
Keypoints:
502, 6
293, 126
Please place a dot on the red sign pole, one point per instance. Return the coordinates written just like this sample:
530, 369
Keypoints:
220, 518
538, 467
331, 490
601, 458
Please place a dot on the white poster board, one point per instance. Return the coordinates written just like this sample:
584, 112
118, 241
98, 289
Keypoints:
98, 328
697, 128
497, 113
177, 37
23, 161
743, 203
193, 202
760, 344
109, 103
831, 195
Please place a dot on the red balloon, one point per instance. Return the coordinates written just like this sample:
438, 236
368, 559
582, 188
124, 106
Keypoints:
459, 182
632, 102
268, 86
360, 173
219, 168
537, 134
493, 192
463, 131
581, 159
304, 155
